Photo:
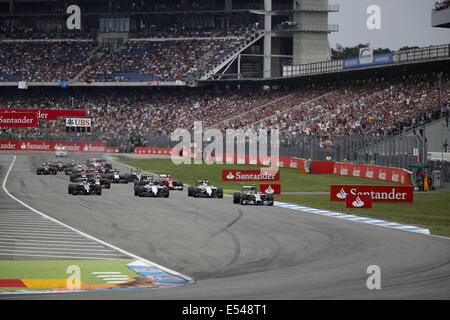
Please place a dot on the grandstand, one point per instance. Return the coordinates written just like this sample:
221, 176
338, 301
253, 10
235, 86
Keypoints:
143, 68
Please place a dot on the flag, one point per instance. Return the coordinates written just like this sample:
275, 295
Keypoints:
23, 85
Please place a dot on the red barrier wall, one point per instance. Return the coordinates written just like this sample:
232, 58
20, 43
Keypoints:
326, 167
373, 172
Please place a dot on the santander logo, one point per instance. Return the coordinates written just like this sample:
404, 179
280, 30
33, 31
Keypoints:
269, 190
23, 146
358, 203
342, 194
86, 148
230, 176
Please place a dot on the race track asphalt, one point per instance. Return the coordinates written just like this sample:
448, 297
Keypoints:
233, 251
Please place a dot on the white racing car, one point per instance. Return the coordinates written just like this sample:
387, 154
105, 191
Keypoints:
152, 189
204, 190
249, 195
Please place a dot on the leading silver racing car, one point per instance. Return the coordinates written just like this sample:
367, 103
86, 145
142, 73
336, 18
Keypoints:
152, 189
249, 195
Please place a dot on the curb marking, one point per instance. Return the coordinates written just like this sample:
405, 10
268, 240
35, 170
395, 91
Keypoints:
349, 217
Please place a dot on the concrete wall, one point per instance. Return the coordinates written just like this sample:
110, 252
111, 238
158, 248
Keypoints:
441, 18
310, 47
436, 134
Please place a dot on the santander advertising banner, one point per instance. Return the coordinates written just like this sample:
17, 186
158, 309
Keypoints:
47, 114
251, 175
42, 145
358, 201
18, 119
270, 188
377, 193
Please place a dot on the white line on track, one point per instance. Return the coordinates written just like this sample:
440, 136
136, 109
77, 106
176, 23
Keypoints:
57, 256
14, 223
26, 242
107, 272
41, 237
40, 234
40, 229
18, 238
47, 248
188, 279
64, 252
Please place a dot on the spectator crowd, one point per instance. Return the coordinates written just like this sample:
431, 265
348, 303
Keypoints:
359, 109
440, 5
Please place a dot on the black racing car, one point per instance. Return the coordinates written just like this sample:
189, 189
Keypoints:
85, 188
46, 169
116, 177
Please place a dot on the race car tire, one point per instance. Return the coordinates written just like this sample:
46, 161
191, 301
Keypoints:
99, 192
190, 191
74, 192
180, 184
270, 200
236, 197
195, 194
244, 197
219, 193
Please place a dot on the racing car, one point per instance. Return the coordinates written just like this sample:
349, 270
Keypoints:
145, 178
135, 175
59, 165
83, 173
47, 168
203, 189
249, 195
116, 177
99, 179
98, 163
172, 184
71, 167
85, 187
152, 189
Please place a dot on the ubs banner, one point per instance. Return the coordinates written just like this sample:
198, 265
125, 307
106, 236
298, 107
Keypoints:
42, 145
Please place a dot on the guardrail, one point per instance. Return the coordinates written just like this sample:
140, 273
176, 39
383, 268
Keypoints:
399, 57
308, 27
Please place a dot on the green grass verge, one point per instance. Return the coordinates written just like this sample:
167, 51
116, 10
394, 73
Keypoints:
291, 180
430, 210
56, 269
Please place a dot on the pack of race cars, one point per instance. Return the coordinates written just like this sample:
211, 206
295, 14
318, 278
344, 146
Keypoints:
91, 177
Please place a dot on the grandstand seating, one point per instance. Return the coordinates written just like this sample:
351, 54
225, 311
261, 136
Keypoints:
384, 107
